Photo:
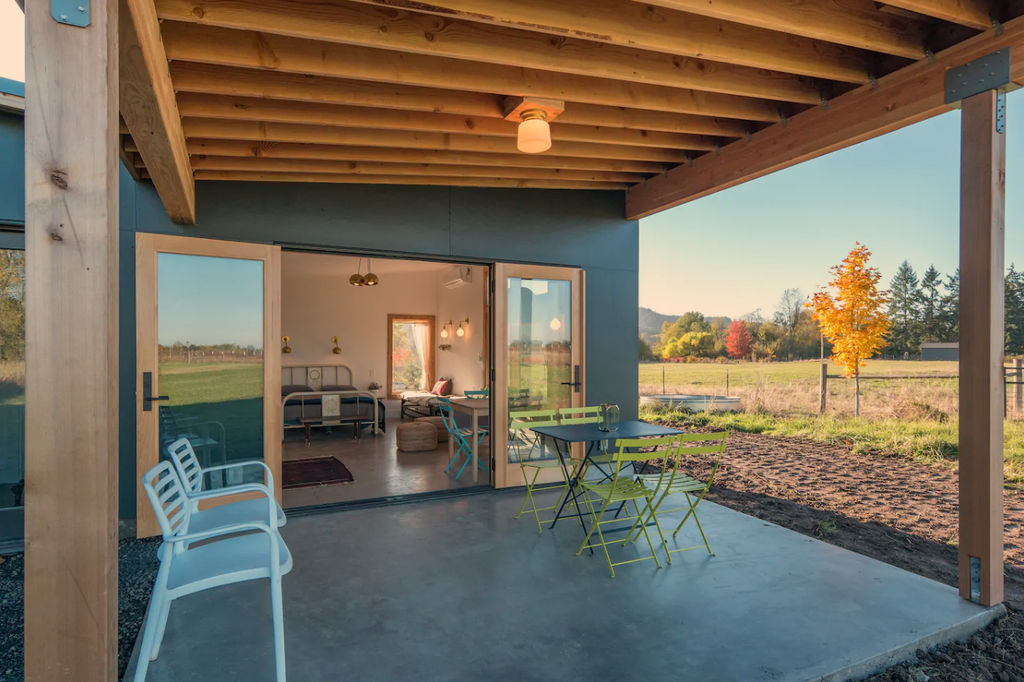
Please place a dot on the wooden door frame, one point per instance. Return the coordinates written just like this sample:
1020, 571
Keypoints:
147, 250
499, 391
431, 356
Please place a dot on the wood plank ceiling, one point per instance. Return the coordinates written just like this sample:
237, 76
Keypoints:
406, 92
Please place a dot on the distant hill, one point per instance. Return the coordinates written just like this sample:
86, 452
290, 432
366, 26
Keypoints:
650, 323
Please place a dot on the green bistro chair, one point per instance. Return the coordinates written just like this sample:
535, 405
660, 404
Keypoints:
621, 489
522, 444
579, 415
672, 480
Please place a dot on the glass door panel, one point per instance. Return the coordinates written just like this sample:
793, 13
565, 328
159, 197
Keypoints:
208, 335
539, 352
210, 359
12, 395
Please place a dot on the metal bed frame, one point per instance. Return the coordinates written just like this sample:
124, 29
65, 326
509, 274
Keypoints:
317, 376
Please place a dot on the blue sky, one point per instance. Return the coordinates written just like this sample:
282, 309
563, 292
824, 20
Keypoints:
736, 251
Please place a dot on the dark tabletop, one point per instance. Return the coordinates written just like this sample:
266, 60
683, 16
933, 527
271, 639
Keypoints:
587, 433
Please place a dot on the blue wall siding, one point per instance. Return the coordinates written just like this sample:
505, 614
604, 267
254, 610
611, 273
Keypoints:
581, 229
12, 169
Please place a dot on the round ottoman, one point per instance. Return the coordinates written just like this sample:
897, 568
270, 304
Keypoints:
416, 437
438, 422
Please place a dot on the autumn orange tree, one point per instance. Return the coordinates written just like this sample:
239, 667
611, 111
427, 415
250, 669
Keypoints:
853, 320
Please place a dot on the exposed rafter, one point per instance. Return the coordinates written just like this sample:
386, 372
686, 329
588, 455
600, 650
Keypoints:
388, 28
319, 134
404, 180
908, 96
255, 109
974, 13
148, 108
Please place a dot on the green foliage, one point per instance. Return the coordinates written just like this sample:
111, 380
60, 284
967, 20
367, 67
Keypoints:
646, 352
12, 305
932, 325
905, 311
1014, 316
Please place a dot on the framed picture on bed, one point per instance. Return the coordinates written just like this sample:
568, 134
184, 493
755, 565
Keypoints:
330, 406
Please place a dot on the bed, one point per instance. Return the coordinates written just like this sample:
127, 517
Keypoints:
326, 394
422, 403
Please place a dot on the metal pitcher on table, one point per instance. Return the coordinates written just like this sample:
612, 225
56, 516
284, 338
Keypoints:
609, 417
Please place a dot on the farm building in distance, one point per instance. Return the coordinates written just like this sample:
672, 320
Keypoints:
940, 351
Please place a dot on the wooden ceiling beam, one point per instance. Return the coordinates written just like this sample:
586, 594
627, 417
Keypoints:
734, 53
345, 178
225, 80
317, 134
974, 13
852, 23
226, 47
855, 23
284, 150
233, 163
279, 111
899, 99
149, 110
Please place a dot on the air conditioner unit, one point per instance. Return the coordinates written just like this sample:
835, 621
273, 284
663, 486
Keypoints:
458, 277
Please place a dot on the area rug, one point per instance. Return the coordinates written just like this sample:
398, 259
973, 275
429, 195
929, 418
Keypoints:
314, 472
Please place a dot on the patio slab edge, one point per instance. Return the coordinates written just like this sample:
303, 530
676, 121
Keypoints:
909, 651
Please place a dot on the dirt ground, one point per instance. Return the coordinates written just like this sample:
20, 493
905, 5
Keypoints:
895, 510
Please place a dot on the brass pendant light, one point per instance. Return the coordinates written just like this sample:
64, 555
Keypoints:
367, 280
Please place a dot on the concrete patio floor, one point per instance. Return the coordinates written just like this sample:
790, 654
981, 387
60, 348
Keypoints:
458, 590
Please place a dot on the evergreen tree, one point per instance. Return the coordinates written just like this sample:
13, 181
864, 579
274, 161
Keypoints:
950, 315
931, 305
1014, 317
905, 311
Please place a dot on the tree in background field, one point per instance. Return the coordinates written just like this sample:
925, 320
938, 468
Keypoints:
646, 354
12, 305
931, 305
739, 342
854, 319
787, 317
905, 307
950, 315
1014, 317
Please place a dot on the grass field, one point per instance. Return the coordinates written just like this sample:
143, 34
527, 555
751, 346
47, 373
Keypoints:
792, 387
916, 418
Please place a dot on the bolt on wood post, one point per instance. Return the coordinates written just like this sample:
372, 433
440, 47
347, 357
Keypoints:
823, 388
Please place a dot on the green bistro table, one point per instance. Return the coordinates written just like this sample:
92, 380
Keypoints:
564, 436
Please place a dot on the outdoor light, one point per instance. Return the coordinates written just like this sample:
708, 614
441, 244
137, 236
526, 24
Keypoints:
337, 350
460, 331
534, 135
556, 323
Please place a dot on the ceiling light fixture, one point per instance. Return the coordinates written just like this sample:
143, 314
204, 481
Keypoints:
356, 280
534, 134
534, 116
367, 280
370, 279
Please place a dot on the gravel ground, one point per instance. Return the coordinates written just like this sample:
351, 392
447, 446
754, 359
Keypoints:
137, 566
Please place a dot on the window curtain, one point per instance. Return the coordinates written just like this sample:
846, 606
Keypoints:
420, 339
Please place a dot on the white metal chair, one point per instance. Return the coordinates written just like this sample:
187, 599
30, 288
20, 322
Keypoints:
192, 475
229, 558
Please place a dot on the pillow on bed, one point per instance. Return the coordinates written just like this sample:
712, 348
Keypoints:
339, 387
295, 388
442, 387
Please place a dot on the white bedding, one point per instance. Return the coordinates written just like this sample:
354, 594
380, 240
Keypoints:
422, 398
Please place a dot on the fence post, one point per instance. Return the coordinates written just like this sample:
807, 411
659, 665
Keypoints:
727, 383
823, 388
663, 378
1018, 388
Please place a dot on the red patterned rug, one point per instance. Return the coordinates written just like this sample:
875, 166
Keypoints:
314, 472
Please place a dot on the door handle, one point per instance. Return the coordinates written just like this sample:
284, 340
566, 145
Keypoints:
147, 392
575, 383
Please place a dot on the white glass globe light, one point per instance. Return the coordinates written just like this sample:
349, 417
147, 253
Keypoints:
534, 135
556, 323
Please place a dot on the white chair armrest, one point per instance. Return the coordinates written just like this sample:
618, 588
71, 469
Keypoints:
228, 530
248, 462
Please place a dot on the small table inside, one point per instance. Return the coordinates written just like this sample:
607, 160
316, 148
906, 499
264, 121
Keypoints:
476, 408
591, 434
310, 422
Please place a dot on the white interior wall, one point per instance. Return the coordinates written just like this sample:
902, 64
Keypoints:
317, 302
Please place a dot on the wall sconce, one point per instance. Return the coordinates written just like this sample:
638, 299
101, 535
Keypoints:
556, 324
334, 340
444, 329
286, 348
460, 332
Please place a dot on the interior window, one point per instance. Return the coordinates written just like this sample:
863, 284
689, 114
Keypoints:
411, 359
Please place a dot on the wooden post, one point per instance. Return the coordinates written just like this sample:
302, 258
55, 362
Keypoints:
823, 388
982, 180
71, 238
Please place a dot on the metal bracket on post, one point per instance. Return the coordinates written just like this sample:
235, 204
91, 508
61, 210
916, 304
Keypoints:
991, 72
1001, 113
975, 579
70, 12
